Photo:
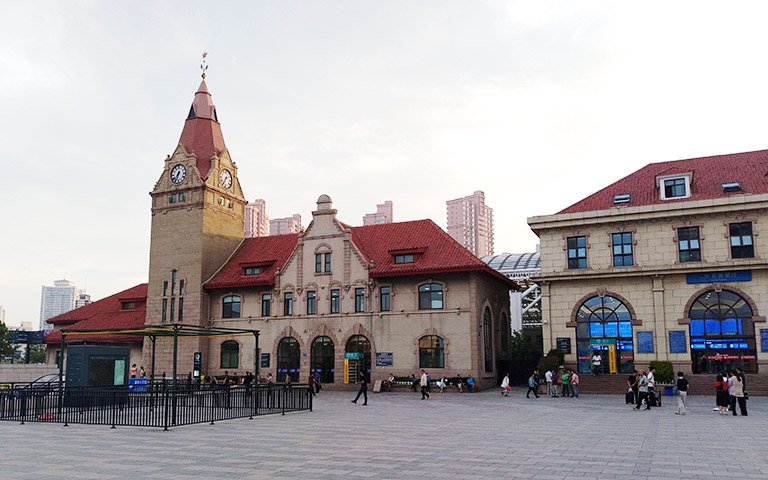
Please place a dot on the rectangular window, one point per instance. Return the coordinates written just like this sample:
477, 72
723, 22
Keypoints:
741, 240
577, 252
165, 310
674, 188
385, 299
311, 303
407, 258
127, 306
173, 282
335, 300
359, 300
181, 310
265, 304
181, 287
288, 303
318, 262
622, 250
327, 263
252, 270
181, 197
173, 306
172, 199
688, 244
165, 288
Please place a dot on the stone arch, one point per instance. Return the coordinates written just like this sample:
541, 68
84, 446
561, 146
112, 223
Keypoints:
602, 292
323, 248
288, 331
322, 331
719, 287
358, 329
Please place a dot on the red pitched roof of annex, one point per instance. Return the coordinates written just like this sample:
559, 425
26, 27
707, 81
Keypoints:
110, 304
435, 252
269, 253
708, 175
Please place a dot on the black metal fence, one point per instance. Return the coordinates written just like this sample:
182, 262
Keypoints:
156, 407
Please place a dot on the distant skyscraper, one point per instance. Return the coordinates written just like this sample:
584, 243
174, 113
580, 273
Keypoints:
58, 299
256, 219
82, 300
281, 226
470, 222
383, 214
2, 314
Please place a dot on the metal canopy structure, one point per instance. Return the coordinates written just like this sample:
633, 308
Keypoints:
525, 305
171, 330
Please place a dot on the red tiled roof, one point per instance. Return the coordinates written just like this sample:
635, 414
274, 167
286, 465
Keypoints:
103, 314
270, 252
113, 303
749, 169
202, 133
435, 252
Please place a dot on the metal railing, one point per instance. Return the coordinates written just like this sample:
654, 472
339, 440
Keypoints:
156, 407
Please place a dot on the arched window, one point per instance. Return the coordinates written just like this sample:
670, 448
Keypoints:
722, 333
288, 359
505, 336
230, 307
230, 354
431, 352
430, 296
359, 344
488, 339
604, 327
322, 358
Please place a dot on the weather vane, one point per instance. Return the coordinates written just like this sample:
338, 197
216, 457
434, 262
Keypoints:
203, 65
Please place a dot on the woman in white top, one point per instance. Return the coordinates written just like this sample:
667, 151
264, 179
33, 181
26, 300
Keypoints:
505, 388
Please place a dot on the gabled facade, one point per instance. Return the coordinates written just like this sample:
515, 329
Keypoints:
401, 296
668, 263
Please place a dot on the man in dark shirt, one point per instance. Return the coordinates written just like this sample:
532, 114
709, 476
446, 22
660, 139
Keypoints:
632, 384
363, 381
682, 388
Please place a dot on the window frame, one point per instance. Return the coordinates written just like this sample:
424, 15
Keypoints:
318, 263
251, 271
266, 300
662, 185
403, 258
311, 302
432, 298
388, 296
576, 249
232, 354
335, 303
741, 238
693, 254
359, 300
228, 300
435, 350
623, 255
287, 304
327, 262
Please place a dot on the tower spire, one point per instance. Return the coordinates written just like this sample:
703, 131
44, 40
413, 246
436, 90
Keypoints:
204, 66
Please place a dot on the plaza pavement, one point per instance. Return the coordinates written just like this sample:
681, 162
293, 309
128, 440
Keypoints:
399, 436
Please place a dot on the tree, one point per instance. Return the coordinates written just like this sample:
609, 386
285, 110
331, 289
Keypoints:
6, 348
37, 354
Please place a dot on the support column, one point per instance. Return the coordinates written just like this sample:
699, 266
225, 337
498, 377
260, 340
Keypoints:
659, 324
546, 319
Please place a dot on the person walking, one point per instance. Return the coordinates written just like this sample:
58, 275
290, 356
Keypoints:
682, 389
363, 381
311, 381
575, 383
505, 386
736, 389
548, 378
721, 394
424, 383
414, 382
597, 362
532, 385
642, 387
652, 384
632, 386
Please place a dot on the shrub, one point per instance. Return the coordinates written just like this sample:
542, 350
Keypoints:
664, 371
551, 361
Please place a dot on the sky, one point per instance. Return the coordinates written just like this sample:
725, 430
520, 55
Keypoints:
537, 103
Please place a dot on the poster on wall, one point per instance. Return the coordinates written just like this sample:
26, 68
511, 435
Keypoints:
564, 344
644, 342
264, 360
384, 359
677, 342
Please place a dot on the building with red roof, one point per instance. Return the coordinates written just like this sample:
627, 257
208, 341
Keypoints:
667, 263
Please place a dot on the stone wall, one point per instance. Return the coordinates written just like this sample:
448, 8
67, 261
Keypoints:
25, 373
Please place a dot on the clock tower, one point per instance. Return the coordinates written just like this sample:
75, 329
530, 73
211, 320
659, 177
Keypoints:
197, 222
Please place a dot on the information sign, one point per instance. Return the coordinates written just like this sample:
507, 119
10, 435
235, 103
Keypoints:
716, 277
346, 370
612, 358
564, 344
138, 384
353, 356
384, 359
264, 360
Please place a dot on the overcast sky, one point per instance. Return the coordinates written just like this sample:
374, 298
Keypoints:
537, 103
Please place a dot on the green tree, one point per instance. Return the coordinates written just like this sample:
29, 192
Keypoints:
6, 348
37, 354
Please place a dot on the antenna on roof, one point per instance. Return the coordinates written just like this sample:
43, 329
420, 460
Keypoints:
204, 66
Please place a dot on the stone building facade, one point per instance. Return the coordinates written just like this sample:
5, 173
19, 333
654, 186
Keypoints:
668, 263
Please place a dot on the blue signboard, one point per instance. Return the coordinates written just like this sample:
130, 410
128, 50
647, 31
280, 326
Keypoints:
764, 340
716, 277
644, 342
677, 342
138, 384
353, 355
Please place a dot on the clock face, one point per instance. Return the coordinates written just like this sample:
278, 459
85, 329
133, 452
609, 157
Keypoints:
225, 179
178, 174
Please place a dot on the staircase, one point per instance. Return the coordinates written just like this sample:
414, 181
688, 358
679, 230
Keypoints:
699, 384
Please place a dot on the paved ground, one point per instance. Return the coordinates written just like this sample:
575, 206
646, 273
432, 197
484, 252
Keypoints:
399, 436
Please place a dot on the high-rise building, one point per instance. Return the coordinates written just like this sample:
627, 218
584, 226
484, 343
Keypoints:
282, 226
58, 299
82, 300
470, 222
2, 314
383, 214
256, 219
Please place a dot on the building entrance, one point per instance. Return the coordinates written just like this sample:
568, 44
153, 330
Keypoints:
722, 333
604, 326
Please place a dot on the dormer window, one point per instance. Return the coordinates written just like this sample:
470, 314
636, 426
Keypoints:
251, 270
731, 187
127, 305
405, 258
675, 186
621, 198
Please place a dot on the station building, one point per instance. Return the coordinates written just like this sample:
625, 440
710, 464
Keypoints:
390, 298
668, 263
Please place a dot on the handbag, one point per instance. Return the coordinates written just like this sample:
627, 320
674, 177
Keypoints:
746, 396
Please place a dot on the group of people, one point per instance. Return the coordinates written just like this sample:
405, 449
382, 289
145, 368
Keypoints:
730, 389
564, 382
642, 389
138, 372
460, 382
